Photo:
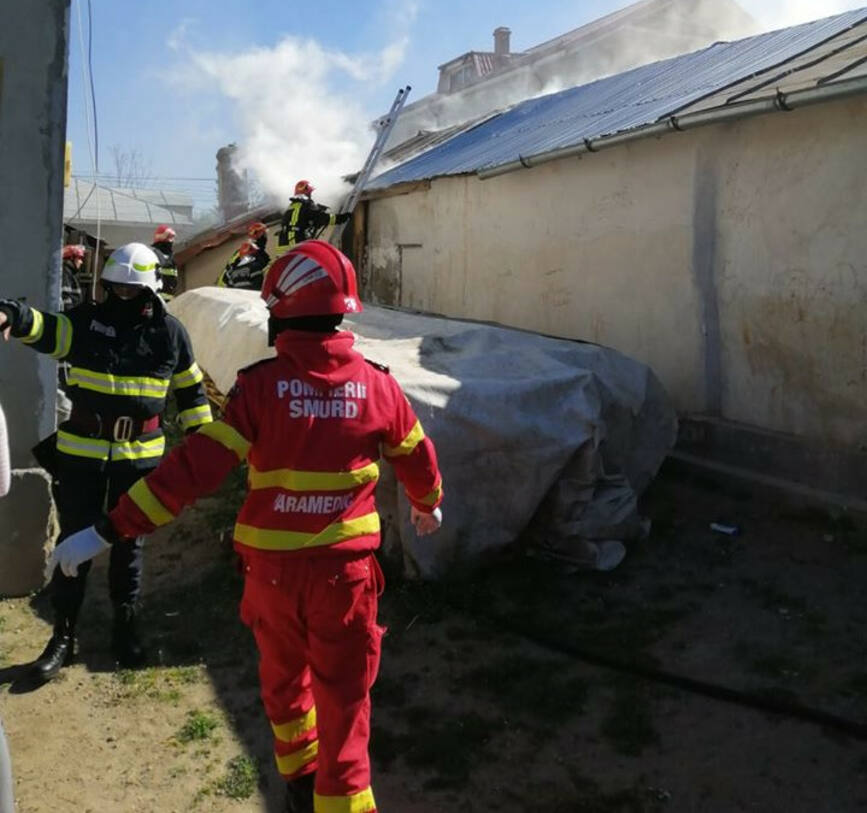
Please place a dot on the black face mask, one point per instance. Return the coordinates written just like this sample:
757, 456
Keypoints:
128, 310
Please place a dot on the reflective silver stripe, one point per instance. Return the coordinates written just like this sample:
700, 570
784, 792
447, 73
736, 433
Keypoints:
192, 375
36, 330
195, 416
138, 449
79, 446
140, 386
63, 337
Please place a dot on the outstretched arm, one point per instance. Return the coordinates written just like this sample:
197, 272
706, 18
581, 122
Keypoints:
49, 333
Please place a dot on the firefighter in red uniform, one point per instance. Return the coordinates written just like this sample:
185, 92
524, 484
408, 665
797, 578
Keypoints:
311, 424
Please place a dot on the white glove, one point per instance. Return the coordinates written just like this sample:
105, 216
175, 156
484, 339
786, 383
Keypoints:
75, 549
425, 523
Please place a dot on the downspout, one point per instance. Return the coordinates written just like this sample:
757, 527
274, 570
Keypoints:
782, 102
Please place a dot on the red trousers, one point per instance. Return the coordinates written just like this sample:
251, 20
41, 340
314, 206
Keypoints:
314, 620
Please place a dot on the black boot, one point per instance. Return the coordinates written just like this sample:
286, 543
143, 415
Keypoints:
126, 645
59, 652
299, 794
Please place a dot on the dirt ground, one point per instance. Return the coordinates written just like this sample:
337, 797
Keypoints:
486, 701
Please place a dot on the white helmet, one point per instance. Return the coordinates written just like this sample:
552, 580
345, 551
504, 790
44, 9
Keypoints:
133, 264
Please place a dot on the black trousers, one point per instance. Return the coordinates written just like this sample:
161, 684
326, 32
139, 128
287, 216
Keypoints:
82, 493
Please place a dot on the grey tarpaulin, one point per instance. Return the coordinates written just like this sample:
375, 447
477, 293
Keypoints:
541, 438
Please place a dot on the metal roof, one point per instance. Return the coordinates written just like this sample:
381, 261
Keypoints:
83, 201
804, 55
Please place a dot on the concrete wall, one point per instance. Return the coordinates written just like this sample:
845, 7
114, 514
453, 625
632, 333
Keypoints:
730, 259
33, 73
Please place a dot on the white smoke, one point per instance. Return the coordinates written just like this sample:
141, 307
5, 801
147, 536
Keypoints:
297, 109
774, 14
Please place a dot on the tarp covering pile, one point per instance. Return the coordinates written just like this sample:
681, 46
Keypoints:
542, 440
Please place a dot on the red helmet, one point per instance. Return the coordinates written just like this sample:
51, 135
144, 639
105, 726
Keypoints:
312, 279
256, 230
164, 234
304, 188
246, 248
73, 252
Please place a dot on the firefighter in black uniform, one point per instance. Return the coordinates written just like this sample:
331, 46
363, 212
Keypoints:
70, 288
304, 219
246, 267
164, 246
124, 355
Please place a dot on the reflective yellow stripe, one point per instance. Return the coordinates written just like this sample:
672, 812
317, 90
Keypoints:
145, 268
361, 802
128, 385
433, 497
296, 211
149, 505
195, 416
36, 329
138, 449
63, 337
79, 446
192, 375
296, 540
291, 731
227, 436
294, 480
415, 436
289, 764
168, 271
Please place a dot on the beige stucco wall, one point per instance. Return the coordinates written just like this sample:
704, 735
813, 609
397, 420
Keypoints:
730, 259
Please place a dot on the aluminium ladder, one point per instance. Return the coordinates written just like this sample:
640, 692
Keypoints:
384, 127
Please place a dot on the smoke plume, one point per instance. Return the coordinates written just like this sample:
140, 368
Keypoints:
296, 109
774, 14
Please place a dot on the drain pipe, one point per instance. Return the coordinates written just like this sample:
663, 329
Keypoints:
782, 102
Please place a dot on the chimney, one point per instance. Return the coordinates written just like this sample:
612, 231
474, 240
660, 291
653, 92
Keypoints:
501, 40
232, 193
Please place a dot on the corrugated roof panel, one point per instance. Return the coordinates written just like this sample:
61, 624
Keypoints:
618, 103
84, 202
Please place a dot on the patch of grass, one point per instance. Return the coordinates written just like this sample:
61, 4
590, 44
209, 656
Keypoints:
156, 683
240, 780
539, 687
199, 726
628, 724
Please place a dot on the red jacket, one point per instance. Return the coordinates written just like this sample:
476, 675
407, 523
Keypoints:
312, 424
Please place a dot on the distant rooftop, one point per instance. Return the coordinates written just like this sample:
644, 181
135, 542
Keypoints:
803, 57
84, 201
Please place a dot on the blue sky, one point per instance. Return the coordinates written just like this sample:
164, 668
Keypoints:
176, 80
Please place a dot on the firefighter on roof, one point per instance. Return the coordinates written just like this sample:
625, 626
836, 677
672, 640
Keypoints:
246, 267
124, 355
311, 424
164, 246
304, 219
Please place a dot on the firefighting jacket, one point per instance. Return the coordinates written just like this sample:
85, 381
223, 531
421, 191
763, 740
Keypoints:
312, 424
117, 370
70, 288
247, 273
168, 271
